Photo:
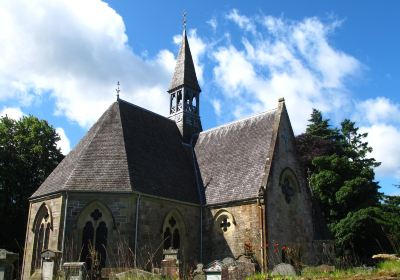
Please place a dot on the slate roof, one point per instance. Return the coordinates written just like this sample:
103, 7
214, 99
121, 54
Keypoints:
127, 149
184, 73
232, 158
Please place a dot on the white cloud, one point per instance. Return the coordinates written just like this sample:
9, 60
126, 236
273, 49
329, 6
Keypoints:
217, 106
291, 59
379, 117
242, 21
386, 149
233, 71
64, 143
12, 112
76, 51
213, 23
377, 110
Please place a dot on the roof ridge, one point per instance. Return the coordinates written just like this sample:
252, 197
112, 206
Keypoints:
238, 121
144, 109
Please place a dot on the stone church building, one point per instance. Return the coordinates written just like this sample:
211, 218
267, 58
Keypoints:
139, 184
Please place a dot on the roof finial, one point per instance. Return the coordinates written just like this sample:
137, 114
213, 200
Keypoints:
184, 20
117, 90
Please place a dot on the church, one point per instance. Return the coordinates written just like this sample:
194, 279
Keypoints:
140, 185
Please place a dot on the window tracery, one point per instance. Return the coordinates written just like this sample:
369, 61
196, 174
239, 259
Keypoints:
173, 230
224, 221
42, 230
171, 234
94, 240
289, 184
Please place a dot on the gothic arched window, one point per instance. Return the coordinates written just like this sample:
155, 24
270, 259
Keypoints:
171, 235
94, 240
42, 229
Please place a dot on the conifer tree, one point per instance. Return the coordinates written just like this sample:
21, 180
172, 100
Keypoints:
343, 183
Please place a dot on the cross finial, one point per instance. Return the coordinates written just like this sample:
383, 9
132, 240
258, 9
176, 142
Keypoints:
184, 20
117, 90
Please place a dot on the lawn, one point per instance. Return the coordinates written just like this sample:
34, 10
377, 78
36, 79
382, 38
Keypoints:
385, 270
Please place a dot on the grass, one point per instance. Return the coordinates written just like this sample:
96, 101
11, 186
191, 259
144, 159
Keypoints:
384, 270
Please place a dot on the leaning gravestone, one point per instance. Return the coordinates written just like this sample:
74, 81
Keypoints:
283, 269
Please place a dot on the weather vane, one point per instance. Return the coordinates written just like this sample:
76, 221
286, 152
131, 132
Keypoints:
184, 20
117, 90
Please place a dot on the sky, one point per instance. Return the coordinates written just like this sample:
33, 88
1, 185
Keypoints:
60, 60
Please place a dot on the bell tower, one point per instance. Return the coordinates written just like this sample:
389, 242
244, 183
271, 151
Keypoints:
184, 93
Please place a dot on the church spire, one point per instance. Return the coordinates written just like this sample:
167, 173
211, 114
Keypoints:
184, 92
184, 74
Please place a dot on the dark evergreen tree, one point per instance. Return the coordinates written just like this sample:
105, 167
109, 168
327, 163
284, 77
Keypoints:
343, 183
319, 140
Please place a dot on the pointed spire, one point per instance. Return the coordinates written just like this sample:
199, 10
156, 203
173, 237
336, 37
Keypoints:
184, 74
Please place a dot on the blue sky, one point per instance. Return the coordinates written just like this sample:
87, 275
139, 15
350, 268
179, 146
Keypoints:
61, 59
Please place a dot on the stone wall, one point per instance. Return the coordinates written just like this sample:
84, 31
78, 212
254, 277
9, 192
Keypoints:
122, 224
55, 204
153, 212
289, 215
117, 210
243, 236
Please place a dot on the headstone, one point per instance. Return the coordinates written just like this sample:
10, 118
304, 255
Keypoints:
49, 258
283, 269
170, 263
215, 271
74, 270
47, 269
243, 270
7, 260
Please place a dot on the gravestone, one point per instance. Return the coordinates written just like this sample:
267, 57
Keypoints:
49, 262
170, 263
215, 271
283, 269
7, 260
74, 270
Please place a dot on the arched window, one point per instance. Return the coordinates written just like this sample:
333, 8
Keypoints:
87, 243
172, 229
94, 240
176, 241
167, 238
42, 227
289, 184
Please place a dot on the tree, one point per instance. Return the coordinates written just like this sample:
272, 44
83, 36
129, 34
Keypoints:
343, 184
391, 208
28, 154
319, 140
319, 127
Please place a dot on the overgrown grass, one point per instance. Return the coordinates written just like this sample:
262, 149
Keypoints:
389, 267
385, 269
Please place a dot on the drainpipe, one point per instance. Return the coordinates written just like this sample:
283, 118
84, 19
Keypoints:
136, 227
65, 223
261, 234
261, 206
199, 192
